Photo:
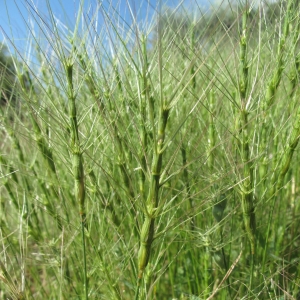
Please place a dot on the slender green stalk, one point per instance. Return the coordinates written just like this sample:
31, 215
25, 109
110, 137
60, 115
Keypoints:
145, 104
147, 231
246, 185
77, 164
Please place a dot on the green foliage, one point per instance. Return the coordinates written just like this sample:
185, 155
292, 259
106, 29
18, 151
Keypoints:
155, 170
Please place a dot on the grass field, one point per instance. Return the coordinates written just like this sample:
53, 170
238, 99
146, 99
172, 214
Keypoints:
154, 161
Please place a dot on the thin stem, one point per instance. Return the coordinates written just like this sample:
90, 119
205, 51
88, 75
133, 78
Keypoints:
78, 170
246, 185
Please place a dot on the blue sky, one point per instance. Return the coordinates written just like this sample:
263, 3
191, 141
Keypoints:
14, 16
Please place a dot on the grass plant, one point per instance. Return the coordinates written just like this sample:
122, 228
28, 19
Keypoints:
154, 159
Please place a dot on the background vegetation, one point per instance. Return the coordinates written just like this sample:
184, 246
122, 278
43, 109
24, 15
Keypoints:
153, 161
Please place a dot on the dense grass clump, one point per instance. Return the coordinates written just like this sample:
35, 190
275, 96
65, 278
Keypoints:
153, 161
